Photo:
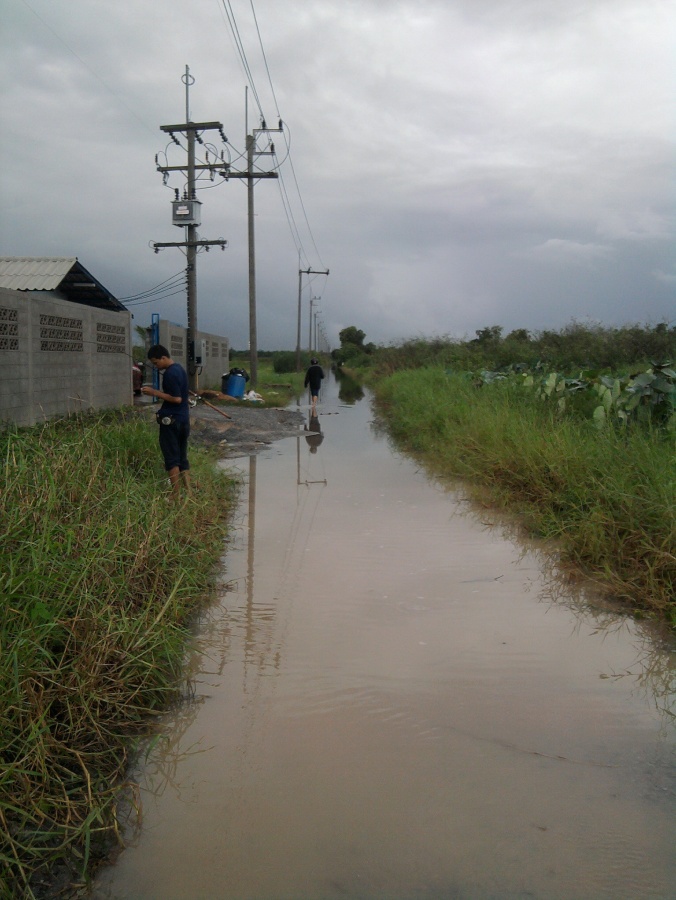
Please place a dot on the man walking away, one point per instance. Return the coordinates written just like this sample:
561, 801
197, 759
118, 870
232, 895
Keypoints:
313, 377
173, 417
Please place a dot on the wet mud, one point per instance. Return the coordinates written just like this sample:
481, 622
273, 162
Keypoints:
395, 697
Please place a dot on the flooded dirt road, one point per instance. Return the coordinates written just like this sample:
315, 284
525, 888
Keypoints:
394, 701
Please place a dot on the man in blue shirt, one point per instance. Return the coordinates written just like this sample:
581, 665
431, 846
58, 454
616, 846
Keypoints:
173, 417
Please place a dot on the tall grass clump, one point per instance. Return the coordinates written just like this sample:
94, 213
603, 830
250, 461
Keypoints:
607, 497
99, 578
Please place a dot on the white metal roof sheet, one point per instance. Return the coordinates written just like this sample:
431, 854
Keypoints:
34, 273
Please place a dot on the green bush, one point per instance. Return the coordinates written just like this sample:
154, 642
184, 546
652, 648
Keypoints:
284, 361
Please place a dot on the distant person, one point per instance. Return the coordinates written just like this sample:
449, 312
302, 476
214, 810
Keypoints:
173, 417
313, 378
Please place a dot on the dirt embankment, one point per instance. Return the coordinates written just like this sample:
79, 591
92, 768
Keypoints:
247, 429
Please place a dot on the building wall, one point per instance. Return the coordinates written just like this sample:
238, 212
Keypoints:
216, 362
58, 357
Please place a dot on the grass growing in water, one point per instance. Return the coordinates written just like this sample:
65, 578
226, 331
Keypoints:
608, 498
99, 578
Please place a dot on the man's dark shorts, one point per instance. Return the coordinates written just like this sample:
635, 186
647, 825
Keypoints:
174, 445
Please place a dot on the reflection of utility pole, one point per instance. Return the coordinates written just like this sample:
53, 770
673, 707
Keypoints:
305, 481
186, 213
252, 532
302, 272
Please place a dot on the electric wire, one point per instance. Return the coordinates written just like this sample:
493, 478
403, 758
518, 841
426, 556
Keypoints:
162, 285
155, 299
227, 6
265, 59
302, 204
293, 228
288, 208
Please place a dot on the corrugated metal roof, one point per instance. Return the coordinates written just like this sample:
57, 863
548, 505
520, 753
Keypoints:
64, 274
34, 273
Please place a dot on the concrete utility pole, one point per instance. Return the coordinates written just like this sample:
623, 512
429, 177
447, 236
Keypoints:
313, 322
186, 214
302, 272
253, 331
253, 176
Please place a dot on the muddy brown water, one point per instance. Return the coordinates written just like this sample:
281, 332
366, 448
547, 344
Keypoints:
395, 698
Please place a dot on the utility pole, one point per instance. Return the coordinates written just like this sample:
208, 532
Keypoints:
186, 213
302, 272
252, 176
253, 331
313, 324
309, 338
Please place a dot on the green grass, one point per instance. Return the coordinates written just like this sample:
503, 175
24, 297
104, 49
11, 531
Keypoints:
100, 577
607, 498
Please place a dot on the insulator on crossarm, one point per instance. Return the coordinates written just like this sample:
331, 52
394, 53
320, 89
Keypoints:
280, 125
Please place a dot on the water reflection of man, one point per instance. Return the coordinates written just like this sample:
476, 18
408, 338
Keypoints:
315, 436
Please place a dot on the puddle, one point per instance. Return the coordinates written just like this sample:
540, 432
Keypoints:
394, 700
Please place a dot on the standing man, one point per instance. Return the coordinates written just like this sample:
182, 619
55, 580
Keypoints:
313, 377
173, 417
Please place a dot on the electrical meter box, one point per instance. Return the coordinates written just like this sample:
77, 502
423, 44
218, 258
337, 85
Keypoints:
198, 353
186, 212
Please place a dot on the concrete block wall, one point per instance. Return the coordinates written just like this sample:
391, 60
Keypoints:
216, 362
58, 357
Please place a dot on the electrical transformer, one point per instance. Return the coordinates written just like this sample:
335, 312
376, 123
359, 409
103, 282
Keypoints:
186, 212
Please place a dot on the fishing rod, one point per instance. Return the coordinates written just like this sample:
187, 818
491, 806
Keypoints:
211, 405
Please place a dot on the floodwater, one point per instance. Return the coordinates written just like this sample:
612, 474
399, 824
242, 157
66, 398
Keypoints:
395, 699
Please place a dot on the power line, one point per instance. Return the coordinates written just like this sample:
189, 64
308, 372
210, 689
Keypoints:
227, 6
286, 202
265, 59
163, 285
302, 204
156, 299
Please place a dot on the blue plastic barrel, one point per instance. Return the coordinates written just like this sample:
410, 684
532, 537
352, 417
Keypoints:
235, 386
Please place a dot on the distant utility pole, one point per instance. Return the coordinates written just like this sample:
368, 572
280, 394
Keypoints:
302, 272
313, 322
252, 176
186, 213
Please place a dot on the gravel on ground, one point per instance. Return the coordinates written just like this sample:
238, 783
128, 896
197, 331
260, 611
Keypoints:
248, 428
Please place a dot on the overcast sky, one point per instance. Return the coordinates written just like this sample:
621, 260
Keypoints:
461, 163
